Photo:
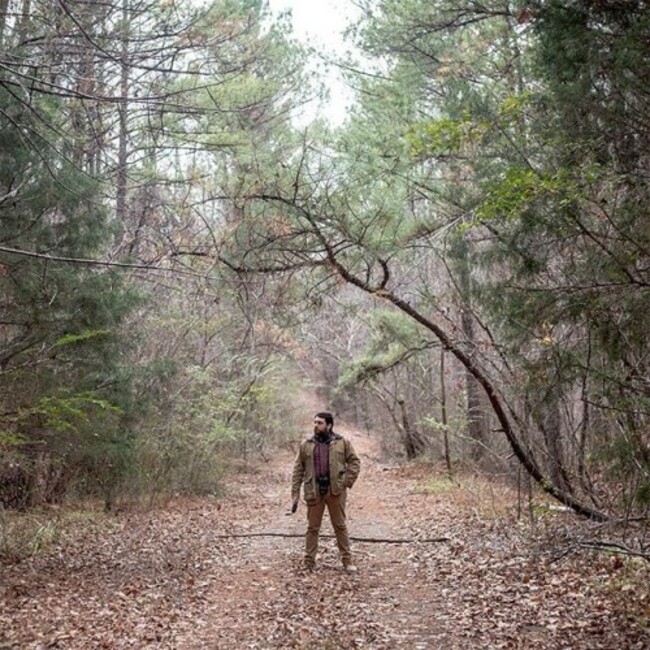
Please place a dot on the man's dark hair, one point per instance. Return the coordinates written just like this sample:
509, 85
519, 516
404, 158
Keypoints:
328, 417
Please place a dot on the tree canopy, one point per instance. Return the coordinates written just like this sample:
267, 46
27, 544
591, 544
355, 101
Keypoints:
468, 253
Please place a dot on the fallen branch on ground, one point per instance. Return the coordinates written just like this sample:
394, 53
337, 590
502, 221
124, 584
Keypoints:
370, 540
615, 547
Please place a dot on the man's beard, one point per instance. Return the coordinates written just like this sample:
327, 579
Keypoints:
321, 434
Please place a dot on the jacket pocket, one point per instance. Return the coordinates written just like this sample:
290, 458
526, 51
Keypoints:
309, 491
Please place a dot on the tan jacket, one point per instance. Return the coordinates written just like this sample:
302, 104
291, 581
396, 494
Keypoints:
344, 467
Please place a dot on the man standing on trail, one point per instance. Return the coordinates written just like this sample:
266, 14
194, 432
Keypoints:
326, 466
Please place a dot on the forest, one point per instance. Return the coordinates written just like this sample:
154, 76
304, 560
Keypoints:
460, 270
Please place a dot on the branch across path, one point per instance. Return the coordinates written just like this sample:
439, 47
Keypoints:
353, 538
226, 573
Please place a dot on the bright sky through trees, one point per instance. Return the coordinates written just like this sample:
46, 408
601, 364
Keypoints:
321, 25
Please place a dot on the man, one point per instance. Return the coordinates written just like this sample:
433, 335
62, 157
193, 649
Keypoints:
326, 466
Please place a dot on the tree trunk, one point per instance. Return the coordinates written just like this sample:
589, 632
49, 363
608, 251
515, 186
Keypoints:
476, 424
123, 108
23, 19
3, 20
39, 480
443, 411
551, 428
414, 444
475, 420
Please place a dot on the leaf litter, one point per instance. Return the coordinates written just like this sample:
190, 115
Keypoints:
169, 579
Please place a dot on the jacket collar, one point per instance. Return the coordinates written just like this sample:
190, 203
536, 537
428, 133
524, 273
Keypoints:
333, 436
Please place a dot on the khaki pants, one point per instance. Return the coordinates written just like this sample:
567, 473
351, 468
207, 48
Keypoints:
336, 508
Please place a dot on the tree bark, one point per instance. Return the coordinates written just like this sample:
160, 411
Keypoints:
123, 107
551, 428
3, 20
443, 411
476, 427
413, 442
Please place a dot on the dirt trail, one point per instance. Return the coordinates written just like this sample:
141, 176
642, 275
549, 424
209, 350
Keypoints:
169, 579
277, 604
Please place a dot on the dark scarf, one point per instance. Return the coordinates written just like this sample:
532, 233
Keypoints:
322, 454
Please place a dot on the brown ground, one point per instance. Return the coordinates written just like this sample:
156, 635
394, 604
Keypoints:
167, 579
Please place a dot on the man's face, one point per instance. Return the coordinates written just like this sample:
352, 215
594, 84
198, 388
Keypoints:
320, 426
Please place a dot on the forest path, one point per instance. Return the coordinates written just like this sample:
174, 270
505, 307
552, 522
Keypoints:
170, 579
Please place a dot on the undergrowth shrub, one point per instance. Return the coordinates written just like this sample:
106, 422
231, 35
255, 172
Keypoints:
25, 534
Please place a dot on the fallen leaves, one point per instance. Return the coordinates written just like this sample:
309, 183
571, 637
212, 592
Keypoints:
168, 579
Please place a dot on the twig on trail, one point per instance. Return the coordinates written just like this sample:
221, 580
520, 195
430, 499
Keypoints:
370, 540
609, 547
615, 547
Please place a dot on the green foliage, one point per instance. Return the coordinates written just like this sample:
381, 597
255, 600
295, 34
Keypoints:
512, 106
521, 189
211, 424
628, 454
523, 154
99, 384
68, 413
394, 339
443, 136
11, 439
59, 349
67, 339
